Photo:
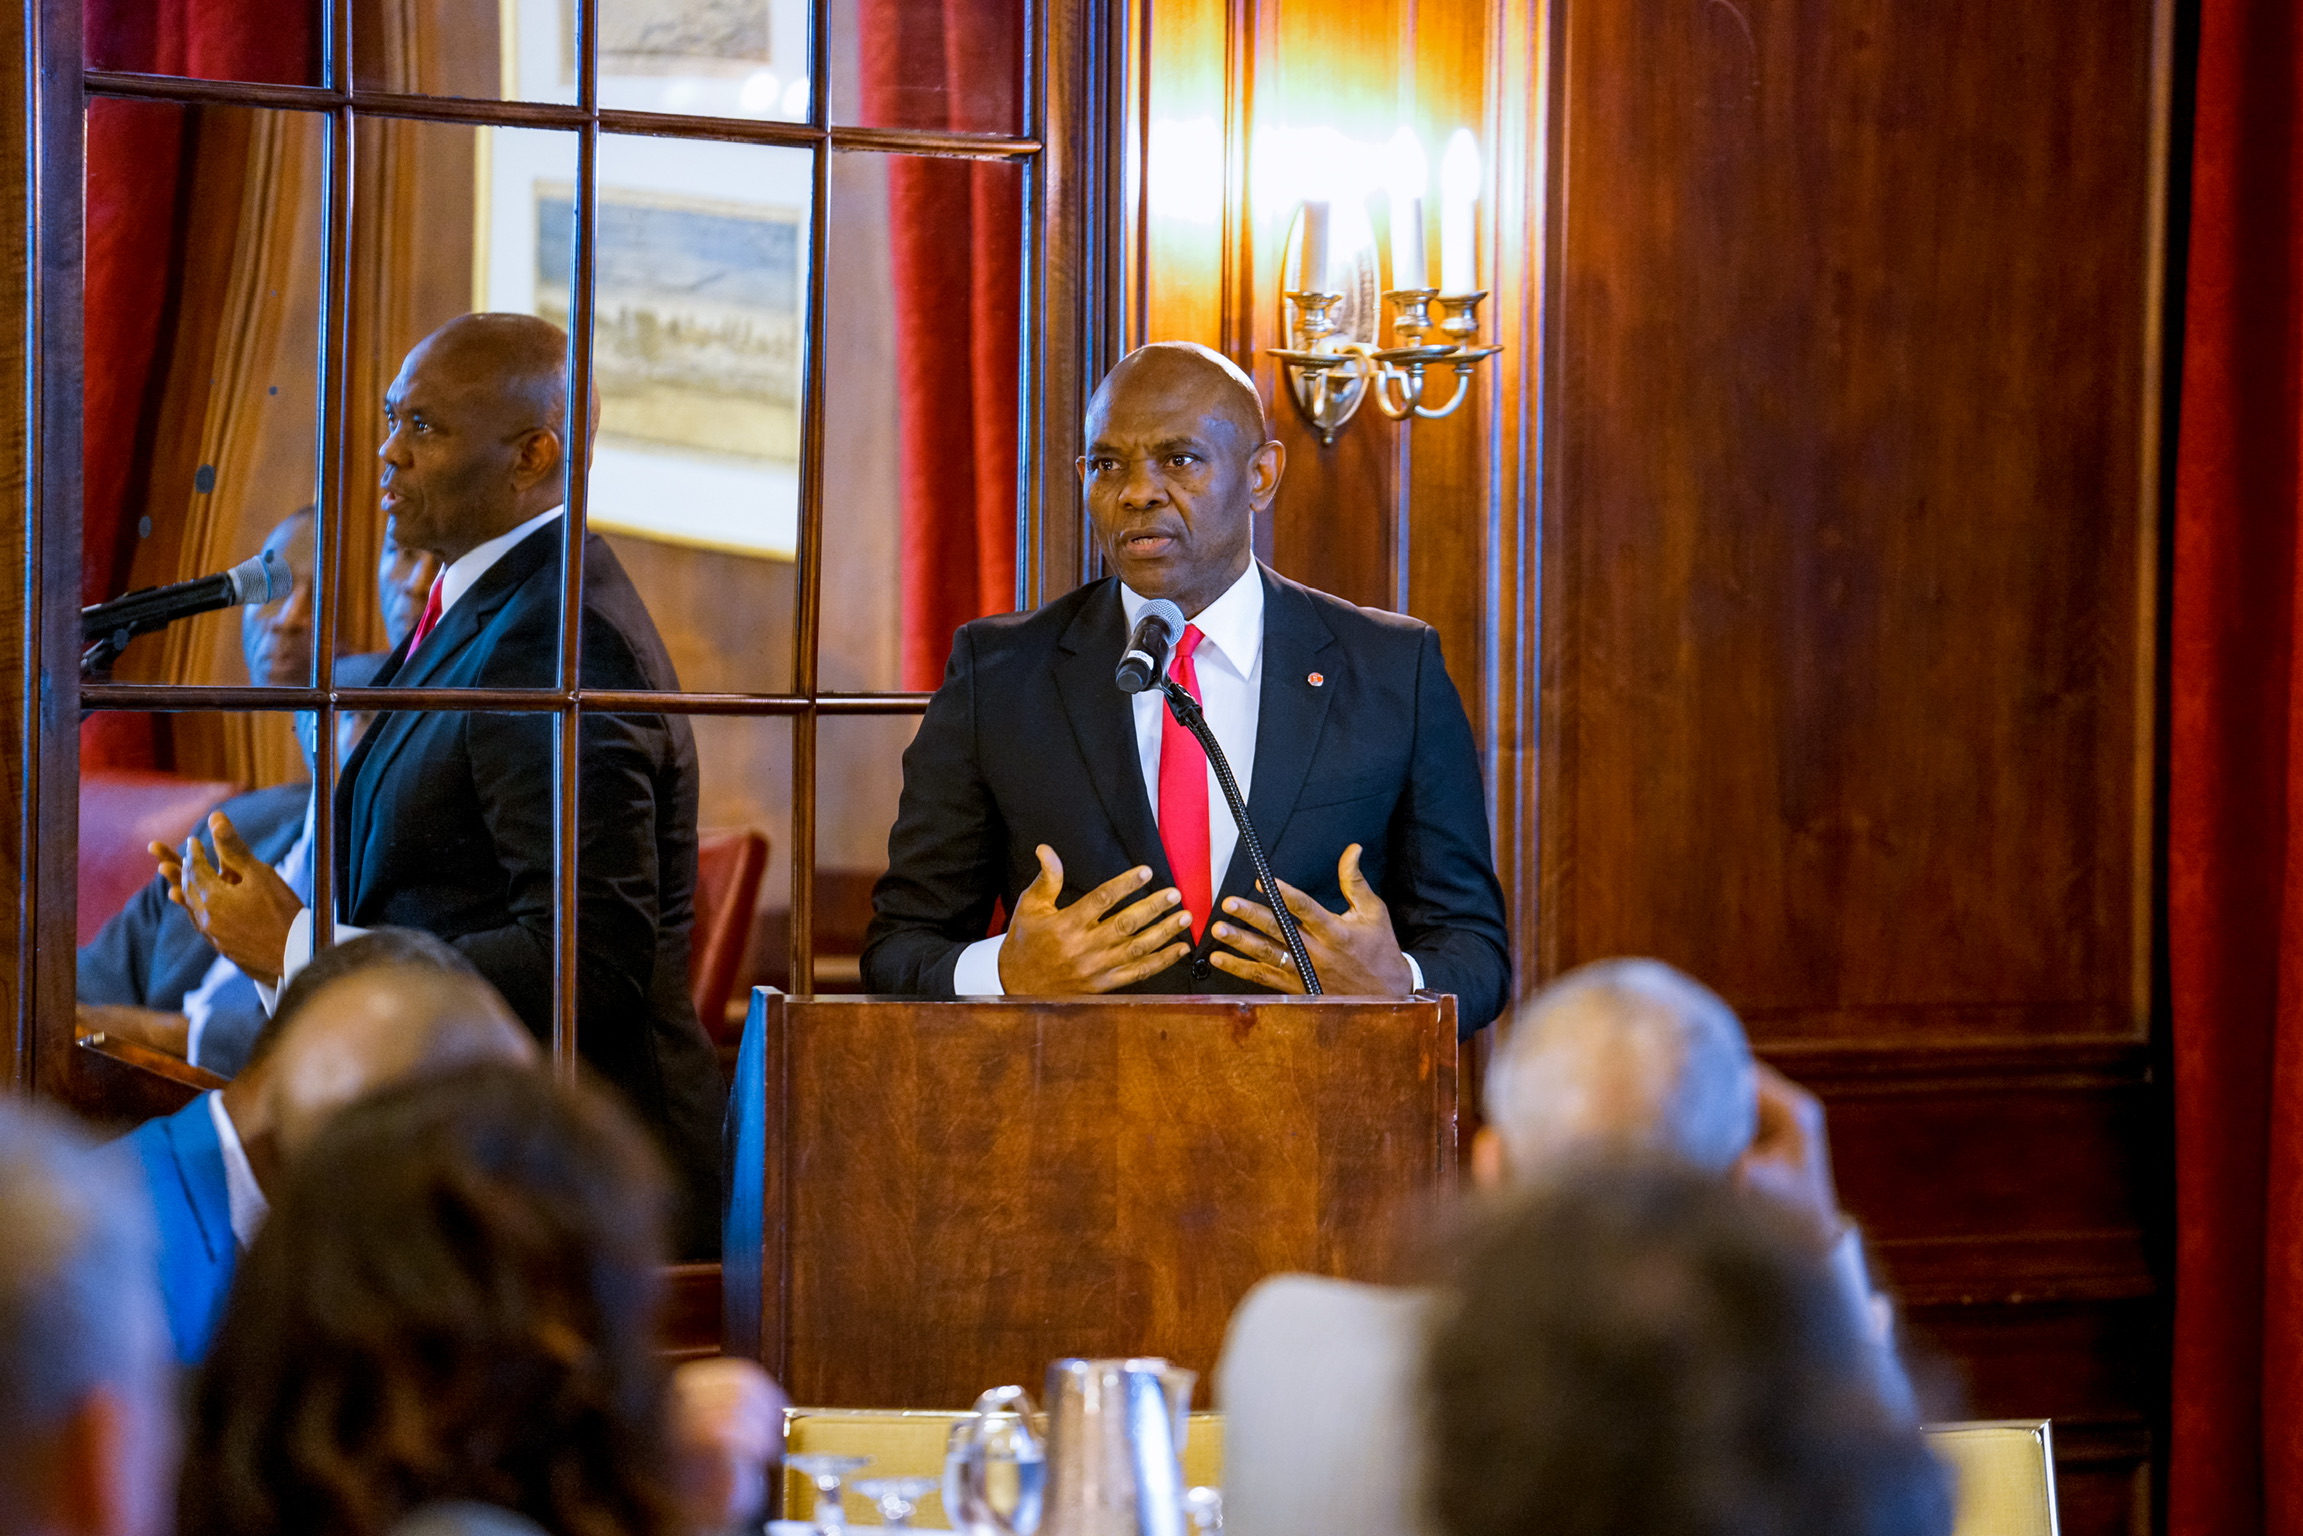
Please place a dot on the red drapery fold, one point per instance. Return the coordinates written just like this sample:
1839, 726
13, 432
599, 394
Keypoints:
2235, 854
135, 220
954, 230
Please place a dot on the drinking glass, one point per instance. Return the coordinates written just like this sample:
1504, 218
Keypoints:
825, 1471
995, 1468
897, 1497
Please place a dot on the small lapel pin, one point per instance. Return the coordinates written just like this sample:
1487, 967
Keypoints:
1317, 679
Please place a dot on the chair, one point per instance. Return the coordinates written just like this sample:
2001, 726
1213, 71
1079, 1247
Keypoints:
910, 1442
728, 869
2005, 1471
121, 810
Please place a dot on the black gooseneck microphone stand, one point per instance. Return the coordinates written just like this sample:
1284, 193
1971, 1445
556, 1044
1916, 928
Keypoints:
1188, 714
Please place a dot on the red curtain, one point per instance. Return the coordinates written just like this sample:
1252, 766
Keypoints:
954, 234
2235, 814
136, 186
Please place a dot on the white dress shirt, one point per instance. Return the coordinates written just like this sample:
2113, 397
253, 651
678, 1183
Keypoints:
462, 574
242, 1194
1229, 663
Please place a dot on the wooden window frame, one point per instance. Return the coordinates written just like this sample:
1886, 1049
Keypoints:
1068, 151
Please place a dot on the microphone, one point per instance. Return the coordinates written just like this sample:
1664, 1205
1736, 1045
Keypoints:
264, 579
1155, 634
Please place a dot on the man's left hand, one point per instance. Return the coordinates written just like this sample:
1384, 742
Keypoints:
1789, 1159
239, 903
1355, 951
727, 1425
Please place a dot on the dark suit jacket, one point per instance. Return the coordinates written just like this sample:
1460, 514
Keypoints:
444, 822
183, 1168
149, 955
1028, 741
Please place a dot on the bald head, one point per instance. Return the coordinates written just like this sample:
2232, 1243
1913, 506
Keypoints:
476, 432
1623, 1056
1178, 463
380, 1025
1184, 373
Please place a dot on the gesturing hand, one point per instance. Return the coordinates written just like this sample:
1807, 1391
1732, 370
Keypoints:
1088, 946
1790, 1154
1355, 951
239, 903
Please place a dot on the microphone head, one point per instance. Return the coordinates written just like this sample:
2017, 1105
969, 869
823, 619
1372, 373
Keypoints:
263, 579
1168, 614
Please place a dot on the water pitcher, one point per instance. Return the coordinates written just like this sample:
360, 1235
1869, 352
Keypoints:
1115, 1447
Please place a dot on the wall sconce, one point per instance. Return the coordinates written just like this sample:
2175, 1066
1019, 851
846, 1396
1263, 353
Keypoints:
1333, 365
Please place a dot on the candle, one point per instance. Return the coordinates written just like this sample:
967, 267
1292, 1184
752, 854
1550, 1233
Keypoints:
1458, 215
1406, 176
1313, 277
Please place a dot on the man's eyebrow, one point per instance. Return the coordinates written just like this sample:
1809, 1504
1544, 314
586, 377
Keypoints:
1103, 447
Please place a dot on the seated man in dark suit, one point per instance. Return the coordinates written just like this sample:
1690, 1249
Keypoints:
444, 820
1036, 786
380, 1009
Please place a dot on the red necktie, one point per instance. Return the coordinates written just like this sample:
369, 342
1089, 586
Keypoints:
431, 613
1183, 794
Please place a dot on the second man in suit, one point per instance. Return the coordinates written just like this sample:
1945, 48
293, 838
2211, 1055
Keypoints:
1092, 819
444, 820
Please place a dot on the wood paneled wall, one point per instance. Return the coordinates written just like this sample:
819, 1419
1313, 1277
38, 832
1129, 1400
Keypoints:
1798, 561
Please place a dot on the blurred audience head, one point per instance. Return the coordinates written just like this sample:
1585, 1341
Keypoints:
1626, 1056
1642, 1349
475, 432
87, 1442
454, 1299
403, 580
378, 1009
276, 637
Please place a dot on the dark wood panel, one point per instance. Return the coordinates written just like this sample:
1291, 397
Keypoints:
968, 1190
1849, 520
15, 527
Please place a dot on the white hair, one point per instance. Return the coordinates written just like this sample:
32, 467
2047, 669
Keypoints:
1640, 1022
79, 1296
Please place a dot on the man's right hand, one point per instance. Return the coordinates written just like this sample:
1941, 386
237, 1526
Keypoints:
1089, 946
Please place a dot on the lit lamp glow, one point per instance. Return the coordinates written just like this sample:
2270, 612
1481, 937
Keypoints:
1406, 174
1459, 215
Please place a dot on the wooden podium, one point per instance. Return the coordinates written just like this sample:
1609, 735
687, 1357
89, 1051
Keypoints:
930, 1198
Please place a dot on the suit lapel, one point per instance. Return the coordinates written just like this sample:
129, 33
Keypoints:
1289, 715
434, 665
1103, 723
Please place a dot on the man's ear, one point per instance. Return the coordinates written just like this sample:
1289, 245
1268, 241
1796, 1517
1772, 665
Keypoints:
1488, 1171
537, 460
1264, 468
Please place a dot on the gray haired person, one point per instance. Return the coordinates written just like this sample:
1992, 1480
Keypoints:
87, 1430
1620, 1058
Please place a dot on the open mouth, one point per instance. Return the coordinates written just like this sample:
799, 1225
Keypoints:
1147, 542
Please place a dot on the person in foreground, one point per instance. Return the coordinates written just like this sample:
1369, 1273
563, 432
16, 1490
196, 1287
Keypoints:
1093, 820
1642, 1350
87, 1436
444, 819
1621, 1057
448, 1325
381, 1008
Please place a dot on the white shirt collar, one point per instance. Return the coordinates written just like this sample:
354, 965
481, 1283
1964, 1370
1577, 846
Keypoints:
465, 571
1233, 623
241, 1191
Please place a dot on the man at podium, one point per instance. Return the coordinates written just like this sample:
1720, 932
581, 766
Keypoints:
1038, 789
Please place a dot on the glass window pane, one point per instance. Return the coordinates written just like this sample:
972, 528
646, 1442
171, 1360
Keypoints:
435, 48
204, 229
272, 42
717, 58
859, 779
935, 64
676, 814
448, 219
145, 972
921, 302
701, 285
